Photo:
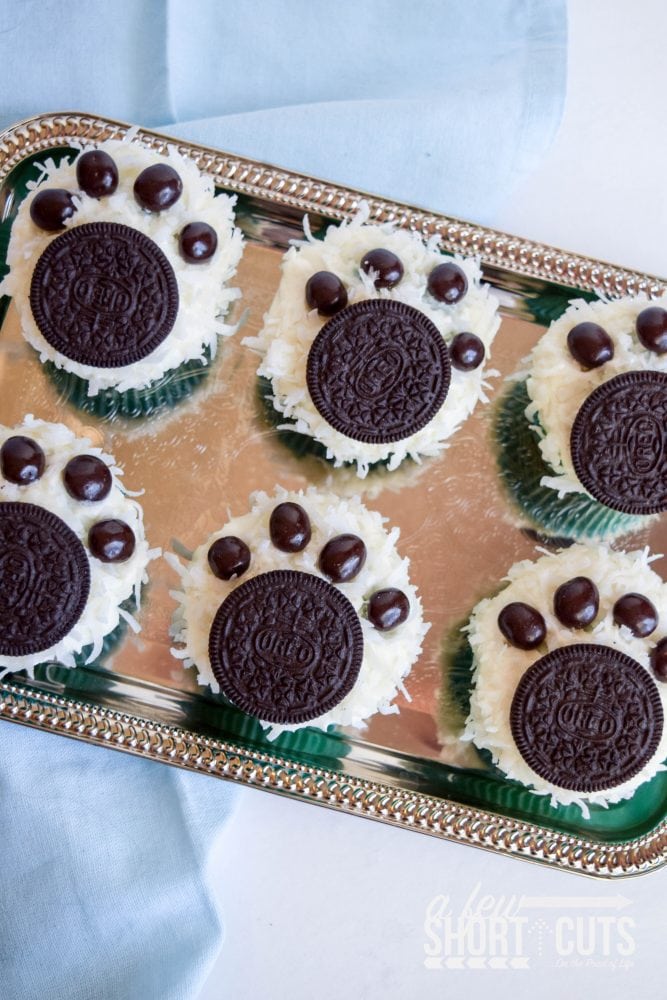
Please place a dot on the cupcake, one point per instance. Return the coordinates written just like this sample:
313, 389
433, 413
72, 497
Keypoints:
73, 552
570, 675
375, 346
581, 437
300, 612
118, 262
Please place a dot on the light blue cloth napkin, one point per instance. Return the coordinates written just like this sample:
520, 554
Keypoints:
445, 103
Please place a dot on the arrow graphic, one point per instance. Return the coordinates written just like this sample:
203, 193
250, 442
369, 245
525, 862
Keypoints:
461, 962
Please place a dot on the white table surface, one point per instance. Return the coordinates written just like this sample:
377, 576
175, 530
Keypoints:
323, 905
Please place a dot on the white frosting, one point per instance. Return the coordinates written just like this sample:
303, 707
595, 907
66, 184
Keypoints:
558, 387
388, 656
498, 666
203, 299
110, 583
290, 329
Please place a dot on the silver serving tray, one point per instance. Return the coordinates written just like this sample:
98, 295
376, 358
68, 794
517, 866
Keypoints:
457, 526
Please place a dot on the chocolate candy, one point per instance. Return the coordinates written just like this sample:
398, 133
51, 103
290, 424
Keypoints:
659, 660
103, 294
286, 647
386, 266
522, 625
637, 613
22, 460
51, 207
326, 293
96, 173
198, 242
466, 352
577, 602
586, 717
111, 541
388, 608
228, 557
619, 442
447, 283
44, 579
590, 345
342, 558
378, 371
651, 326
158, 187
87, 477
289, 527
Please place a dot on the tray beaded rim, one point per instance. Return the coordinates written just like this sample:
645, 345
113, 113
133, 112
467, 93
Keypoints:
439, 817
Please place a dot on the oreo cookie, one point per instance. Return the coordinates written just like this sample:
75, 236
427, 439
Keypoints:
286, 646
44, 579
104, 294
618, 443
378, 371
586, 717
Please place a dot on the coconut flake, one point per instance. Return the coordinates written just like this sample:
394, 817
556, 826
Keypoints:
558, 387
498, 667
111, 584
388, 656
203, 298
290, 329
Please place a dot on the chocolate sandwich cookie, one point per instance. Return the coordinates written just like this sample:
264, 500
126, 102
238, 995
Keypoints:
104, 294
44, 579
378, 371
586, 717
619, 442
286, 646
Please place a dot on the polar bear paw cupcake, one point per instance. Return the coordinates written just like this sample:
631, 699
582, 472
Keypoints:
583, 445
73, 552
118, 268
375, 345
301, 612
570, 675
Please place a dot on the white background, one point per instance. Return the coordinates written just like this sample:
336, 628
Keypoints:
317, 904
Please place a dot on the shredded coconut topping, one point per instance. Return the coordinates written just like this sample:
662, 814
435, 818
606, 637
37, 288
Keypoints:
203, 298
498, 667
388, 656
110, 583
290, 329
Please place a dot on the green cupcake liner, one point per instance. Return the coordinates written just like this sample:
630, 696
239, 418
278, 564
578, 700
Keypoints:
166, 392
457, 680
550, 304
575, 517
216, 712
302, 445
111, 640
456, 688
54, 672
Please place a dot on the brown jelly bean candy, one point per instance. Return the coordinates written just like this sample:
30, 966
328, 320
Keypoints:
22, 460
289, 527
228, 557
326, 293
590, 345
385, 265
577, 602
96, 173
388, 608
51, 207
522, 625
342, 558
637, 613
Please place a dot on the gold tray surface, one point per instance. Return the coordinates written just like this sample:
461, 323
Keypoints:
203, 457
